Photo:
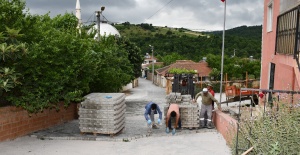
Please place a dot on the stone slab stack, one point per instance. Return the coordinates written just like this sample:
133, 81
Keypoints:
189, 111
174, 98
102, 113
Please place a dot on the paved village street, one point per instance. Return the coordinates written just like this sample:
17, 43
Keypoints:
134, 139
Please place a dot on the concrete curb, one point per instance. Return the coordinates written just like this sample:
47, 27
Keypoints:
124, 139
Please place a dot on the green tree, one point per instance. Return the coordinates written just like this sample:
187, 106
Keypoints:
11, 51
215, 74
135, 56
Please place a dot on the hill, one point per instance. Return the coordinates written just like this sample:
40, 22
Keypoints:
254, 32
181, 43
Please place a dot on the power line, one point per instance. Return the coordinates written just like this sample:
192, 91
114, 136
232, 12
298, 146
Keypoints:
160, 9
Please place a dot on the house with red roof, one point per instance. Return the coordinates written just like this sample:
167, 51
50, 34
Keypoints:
201, 68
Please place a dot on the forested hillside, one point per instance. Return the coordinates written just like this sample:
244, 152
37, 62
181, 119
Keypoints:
171, 44
250, 32
180, 42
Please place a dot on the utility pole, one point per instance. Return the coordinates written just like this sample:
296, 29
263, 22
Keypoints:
98, 14
152, 64
223, 46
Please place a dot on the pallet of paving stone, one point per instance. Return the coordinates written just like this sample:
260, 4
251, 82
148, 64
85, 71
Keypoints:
186, 98
114, 119
190, 124
102, 113
103, 127
108, 133
93, 104
103, 101
94, 113
174, 98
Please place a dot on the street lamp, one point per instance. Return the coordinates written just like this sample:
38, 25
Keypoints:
98, 13
152, 64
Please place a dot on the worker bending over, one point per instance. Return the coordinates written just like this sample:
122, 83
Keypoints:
150, 110
173, 112
206, 106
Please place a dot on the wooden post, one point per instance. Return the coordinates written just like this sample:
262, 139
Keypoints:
226, 78
246, 79
201, 82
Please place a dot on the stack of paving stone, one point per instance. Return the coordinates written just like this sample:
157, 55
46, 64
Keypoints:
189, 111
102, 113
174, 98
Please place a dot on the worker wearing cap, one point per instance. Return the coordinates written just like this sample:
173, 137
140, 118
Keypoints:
207, 99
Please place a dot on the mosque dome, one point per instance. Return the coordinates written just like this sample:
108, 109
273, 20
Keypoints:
105, 30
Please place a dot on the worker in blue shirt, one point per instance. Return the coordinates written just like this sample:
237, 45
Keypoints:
150, 109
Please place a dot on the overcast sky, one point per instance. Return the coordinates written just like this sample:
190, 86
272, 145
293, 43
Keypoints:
193, 14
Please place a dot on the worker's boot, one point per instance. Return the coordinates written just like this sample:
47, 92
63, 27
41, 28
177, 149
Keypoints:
209, 124
202, 124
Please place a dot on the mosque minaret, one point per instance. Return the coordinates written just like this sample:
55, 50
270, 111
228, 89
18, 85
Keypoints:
78, 13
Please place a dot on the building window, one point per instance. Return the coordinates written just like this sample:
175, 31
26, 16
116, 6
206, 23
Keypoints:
270, 17
288, 34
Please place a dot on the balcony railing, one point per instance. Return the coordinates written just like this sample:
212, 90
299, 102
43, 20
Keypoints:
288, 31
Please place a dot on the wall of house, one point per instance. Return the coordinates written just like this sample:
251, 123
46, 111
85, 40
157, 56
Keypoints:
130, 85
287, 75
268, 42
16, 122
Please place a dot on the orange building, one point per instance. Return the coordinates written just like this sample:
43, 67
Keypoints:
280, 45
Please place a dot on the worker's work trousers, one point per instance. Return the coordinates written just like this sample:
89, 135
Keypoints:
152, 119
205, 109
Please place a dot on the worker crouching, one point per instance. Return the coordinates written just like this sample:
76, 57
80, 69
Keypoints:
150, 110
206, 106
173, 112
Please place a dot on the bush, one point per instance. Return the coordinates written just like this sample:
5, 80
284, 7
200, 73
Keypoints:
275, 132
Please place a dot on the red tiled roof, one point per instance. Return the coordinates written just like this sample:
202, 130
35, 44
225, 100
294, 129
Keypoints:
201, 67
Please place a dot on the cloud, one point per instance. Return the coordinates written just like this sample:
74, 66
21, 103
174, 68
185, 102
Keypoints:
193, 14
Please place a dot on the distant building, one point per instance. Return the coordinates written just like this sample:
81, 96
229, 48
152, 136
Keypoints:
148, 64
105, 28
280, 45
201, 68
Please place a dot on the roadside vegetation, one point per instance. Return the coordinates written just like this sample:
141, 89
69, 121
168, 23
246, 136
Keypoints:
46, 60
274, 132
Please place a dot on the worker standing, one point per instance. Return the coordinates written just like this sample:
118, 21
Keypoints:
173, 112
150, 110
210, 89
212, 92
207, 99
